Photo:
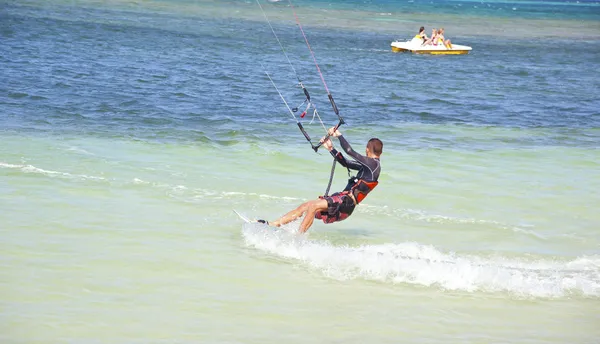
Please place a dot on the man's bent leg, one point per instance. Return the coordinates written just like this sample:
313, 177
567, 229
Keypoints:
292, 215
312, 208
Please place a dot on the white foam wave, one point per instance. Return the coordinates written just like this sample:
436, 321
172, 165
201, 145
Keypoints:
79, 150
197, 193
283, 198
424, 265
33, 169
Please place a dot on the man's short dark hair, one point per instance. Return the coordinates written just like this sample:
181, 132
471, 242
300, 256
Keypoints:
375, 145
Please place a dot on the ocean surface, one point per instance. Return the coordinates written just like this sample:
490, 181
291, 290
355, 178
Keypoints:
129, 131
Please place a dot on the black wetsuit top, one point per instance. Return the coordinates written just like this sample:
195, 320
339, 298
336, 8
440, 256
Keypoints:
368, 168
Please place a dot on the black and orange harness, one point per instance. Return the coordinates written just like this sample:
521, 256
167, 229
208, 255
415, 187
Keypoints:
361, 189
358, 188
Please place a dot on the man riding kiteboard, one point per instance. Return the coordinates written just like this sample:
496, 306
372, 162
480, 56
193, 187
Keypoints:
340, 205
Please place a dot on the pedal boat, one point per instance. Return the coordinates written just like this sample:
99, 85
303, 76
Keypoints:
415, 46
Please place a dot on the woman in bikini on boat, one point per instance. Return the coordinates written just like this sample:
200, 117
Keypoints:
431, 39
422, 35
442, 40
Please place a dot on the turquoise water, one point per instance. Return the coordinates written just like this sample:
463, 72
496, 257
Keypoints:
586, 9
131, 130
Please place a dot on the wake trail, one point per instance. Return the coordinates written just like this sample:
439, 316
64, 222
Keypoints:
416, 264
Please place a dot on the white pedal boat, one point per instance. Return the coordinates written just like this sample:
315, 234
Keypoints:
415, 46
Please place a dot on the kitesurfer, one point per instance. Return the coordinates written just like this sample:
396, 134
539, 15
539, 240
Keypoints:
340, 205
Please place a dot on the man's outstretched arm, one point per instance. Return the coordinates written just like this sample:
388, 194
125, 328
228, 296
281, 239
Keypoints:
353, 165
348, 149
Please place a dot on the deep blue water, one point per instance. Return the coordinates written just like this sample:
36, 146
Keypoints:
163, 76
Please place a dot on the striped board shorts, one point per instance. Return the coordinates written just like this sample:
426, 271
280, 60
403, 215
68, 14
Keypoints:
339, 206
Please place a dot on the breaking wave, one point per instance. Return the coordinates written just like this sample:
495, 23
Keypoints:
425, 265
37, 170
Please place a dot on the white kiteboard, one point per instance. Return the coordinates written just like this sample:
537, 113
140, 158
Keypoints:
247, 220
255, 222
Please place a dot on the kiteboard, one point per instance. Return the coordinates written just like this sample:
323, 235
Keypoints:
244, 218
248, 220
